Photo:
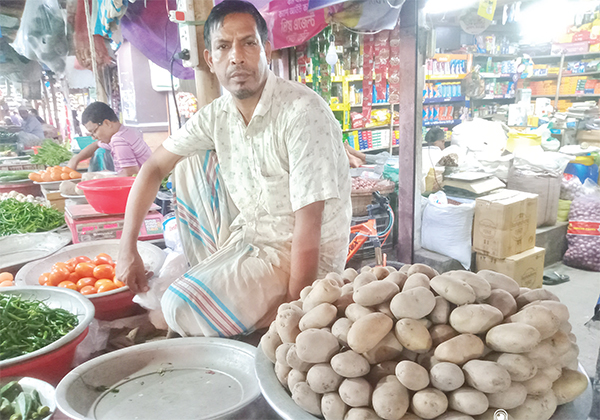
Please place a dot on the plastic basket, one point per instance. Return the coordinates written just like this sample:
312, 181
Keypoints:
360, 200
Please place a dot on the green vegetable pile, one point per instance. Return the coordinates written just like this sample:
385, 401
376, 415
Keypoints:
8, 176
51, 154
29, 325
25, 217
17, 404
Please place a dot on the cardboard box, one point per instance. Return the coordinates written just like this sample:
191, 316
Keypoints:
505, 223
526, 268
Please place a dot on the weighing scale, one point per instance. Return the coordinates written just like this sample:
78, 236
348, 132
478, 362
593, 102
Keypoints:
86, 224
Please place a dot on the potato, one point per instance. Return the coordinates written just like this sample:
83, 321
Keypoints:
440, 333
538, 385
453, 289
374, 293
460, 349
320, 316
519, 366
366, 269
336, 277
316, 346
468, 401
282, 371
533, 295
557, 308
404, 268
475, 318
356, 392
411, 416
304, 292
416, 280
361, 413
504, 301
569, 386
380, 272
513, 397
367, 331
387, 349
429, 403
323, 291
295, 362
322, 378
540, 317
398, 278
270, 341
413, 335
332, 406
454, 415
422, 268
500, 281
441, 311
340, 330
384, 308
548, 352
391, 269
295, 376
287, 322
381, 370
480, 285
512, 338
354, 311
446, 376
350, 364
390, 399
281, 353
343, 302
427, 360
569, 359
349, 274
364, 278
414, 303
552, 372
412, 375
306, 398
486, 376
535, 408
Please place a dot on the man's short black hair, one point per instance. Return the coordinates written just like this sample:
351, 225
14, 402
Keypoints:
434, 135
97, 112
227, 7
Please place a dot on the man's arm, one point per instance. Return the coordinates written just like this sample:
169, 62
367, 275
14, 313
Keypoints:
86, 153
305, 248
129, 170
355, 157
130, 267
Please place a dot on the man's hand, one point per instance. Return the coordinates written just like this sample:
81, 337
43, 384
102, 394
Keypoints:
130, 270
73, 162
356, 158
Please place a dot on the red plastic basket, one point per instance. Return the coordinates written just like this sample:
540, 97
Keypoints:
49, 367
107, 195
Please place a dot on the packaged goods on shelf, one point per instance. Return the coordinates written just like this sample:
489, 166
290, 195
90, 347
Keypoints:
442, 90
446, 65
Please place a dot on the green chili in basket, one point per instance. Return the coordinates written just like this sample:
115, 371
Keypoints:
24, 217
28, 325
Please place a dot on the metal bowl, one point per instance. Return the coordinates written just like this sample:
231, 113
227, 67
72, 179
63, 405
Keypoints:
54, 297
200, 378
17, 250
44, 389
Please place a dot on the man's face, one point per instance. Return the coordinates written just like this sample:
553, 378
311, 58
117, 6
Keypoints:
97, 131
23, 113
238, 57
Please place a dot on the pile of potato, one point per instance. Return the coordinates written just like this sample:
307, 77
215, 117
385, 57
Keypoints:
410, 344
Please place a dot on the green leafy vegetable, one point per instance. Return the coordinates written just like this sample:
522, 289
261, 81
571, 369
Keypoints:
29, 325
25, 217
51, 154
7, 176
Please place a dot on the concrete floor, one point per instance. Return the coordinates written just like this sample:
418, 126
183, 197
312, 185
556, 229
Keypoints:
580, 294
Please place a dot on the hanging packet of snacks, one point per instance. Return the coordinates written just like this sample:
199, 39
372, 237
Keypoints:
325, 83
394, 68
381, 50
368, 76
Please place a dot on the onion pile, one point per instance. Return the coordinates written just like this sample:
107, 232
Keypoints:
584, 233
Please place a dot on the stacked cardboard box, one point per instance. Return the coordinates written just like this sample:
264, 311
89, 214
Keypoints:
504, 236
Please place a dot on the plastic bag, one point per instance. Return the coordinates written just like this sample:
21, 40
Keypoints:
446, 228
564, 206
42, 35
480, 135
570, 187
583, 234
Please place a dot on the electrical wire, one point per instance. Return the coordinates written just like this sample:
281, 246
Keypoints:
173, 91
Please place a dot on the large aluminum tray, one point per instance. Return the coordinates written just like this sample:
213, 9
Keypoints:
16, 250
185, 378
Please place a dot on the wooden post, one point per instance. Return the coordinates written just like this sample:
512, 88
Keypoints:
207, 85
409, 143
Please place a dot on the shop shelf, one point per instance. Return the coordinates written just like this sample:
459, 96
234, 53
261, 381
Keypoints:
445, 77
380, 127
494, 98
567, 56
443, 100
555, 76
577, 96
498, 56
376, 104
435, 123
496, 75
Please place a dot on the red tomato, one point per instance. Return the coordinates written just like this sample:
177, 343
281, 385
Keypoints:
58, 265
104, 271
119, 283
103, 259
6, 283
57, 276
43, 279
102, 282
85, 269
105, 287
68, 285
83, 258
74, 277
85, 281
87, 290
